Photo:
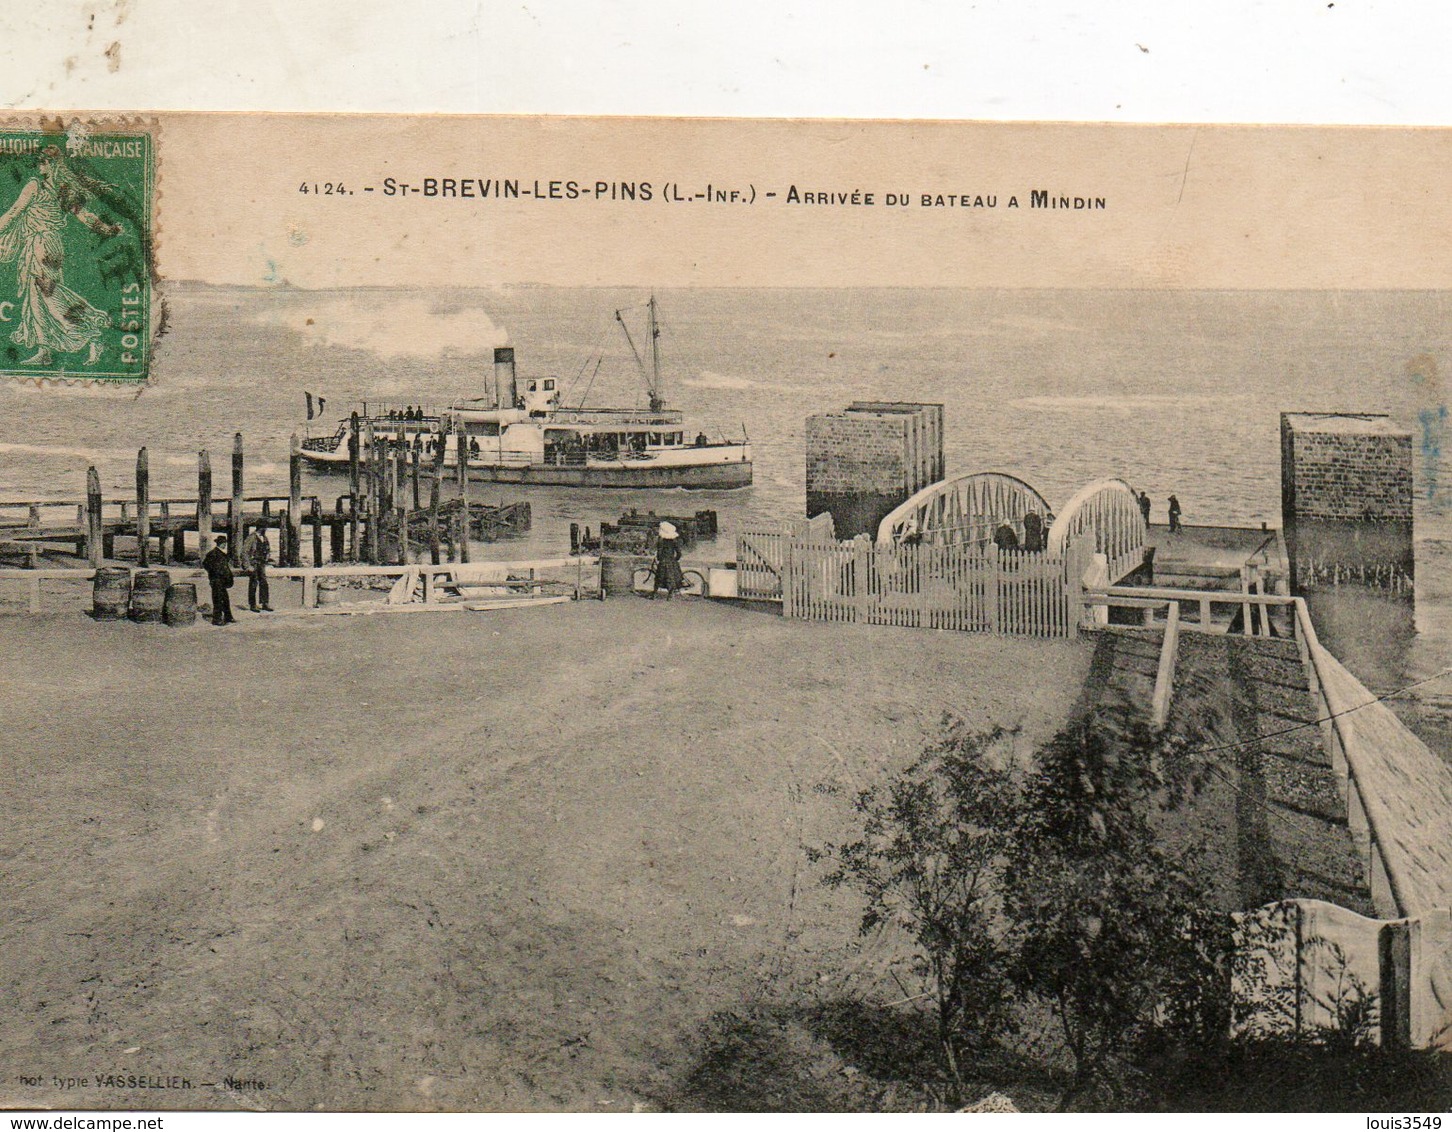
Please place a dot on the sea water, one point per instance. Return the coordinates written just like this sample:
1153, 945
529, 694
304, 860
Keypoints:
1175, 391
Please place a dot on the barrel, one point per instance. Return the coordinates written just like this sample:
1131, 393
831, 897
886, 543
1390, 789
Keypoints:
111, 593
617, 572
148, 594
328, 591
179, 607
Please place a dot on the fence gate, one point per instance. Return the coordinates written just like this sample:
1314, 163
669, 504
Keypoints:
761, 552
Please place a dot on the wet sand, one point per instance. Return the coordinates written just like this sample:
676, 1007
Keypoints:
508, 860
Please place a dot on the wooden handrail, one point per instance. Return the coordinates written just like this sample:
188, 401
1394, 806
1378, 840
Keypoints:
1102, 594
340, 571
1373, 809
1165, 675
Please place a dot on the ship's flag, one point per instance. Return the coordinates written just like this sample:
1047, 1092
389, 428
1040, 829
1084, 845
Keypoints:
321, 402
309, 396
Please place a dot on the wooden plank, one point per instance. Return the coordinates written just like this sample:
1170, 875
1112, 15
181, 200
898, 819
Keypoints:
1165, 675
1168, 593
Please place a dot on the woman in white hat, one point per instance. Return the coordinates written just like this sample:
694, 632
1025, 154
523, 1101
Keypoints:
667, 561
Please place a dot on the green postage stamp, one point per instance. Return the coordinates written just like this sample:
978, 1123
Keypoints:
75, 253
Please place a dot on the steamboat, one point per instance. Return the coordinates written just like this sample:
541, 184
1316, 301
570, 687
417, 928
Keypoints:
521, 433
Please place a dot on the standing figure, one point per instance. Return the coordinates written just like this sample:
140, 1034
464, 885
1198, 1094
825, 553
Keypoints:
52, 317
1033, 531
1144, 506
219, 575
1174, 514
667, 561
255, 554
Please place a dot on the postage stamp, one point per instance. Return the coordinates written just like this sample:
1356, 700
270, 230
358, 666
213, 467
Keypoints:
75, 252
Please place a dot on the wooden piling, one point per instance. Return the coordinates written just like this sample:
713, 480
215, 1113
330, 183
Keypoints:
370, 497
434, 522
234, 516
317, 521
143, 509
294, 503
402, 503
204, 503
462, 452
353, 442
95, 540
417, 506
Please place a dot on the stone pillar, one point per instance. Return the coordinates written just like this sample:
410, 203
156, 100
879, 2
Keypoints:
865, 460
1346, 499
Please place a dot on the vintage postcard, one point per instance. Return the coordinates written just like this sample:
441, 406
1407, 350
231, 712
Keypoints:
595, 615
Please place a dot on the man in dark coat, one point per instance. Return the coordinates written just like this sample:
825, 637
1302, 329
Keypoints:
256, 552
1144, 506
1174, 514
219, 574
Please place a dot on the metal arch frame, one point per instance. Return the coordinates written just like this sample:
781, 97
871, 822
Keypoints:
944, 510
1110, 508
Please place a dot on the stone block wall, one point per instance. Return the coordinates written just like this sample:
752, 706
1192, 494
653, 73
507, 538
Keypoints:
1346, 475
850, 452
1346, 497
865, 460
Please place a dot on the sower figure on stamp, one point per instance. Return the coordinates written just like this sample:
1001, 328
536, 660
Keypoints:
219, 575
255, 553
52, 317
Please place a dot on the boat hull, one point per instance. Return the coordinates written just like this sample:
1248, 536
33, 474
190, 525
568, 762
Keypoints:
722, 475
700, 477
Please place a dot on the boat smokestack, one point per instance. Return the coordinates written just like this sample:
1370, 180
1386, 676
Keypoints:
505, 391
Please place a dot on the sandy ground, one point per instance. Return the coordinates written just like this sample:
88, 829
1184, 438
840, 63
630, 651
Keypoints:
468, 861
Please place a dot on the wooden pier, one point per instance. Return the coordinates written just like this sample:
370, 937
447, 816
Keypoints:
378, 522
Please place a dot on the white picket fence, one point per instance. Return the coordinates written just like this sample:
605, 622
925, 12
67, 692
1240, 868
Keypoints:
964, 588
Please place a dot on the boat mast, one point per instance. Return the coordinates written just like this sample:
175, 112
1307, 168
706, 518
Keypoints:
657, 402
652, 378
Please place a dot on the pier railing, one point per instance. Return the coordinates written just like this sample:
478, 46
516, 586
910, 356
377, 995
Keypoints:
1398, 799
430, 577
1371, 750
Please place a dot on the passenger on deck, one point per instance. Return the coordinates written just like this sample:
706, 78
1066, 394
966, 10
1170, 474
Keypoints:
701, 440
